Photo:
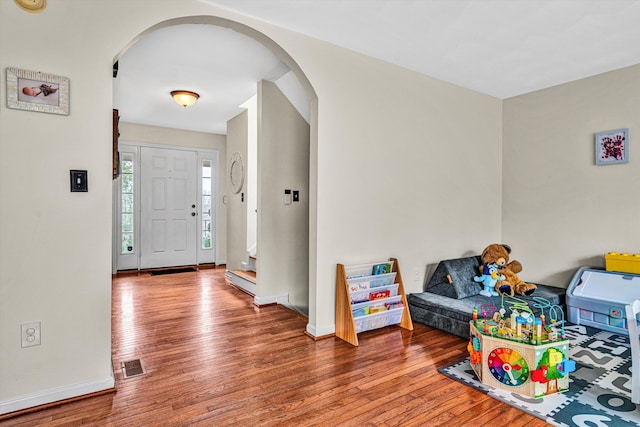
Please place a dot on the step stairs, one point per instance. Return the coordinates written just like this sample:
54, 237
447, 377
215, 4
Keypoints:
250, 264
245, 280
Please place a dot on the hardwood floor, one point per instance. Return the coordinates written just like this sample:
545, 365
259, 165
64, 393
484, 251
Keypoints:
214, 359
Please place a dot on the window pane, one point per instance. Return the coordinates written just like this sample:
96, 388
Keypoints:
206, 204
127, 223
127, 203
206, 224
126, 166
127, 183
205, 211
206, 240
206, 186
206, 169
127, 243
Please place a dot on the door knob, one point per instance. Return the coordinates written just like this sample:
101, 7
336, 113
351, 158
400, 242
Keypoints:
193, 206
193, 214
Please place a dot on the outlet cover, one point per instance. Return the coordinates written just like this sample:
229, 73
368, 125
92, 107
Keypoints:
30, 334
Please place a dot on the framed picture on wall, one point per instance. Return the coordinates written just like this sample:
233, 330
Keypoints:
36, 91
612, 147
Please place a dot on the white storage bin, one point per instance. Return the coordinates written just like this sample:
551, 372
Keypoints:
378, 320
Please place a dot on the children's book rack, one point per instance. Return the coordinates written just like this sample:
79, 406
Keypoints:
370, 296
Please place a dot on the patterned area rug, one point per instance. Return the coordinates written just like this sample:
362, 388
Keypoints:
599, 391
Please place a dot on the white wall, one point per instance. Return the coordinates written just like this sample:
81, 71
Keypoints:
175, 137
561, 211
283, 230
237, 134
55, 256
408, 167
402, 165
145, 134
290, 86
251, 172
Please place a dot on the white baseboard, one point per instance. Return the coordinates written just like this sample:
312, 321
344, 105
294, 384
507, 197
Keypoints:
320, 332
56, 394
271, 299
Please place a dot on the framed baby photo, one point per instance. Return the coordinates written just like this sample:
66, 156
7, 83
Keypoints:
36, 91
612, 147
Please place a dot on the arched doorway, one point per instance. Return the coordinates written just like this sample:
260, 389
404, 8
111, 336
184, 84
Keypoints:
270, 286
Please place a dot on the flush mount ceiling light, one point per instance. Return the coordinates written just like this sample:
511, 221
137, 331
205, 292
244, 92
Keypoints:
33, 6
184, 97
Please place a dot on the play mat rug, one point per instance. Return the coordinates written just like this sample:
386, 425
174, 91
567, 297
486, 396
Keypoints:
599, 391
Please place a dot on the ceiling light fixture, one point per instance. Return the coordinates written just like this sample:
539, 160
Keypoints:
184, 97
33, 6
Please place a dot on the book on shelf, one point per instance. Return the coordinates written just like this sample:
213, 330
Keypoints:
382, 268
361, 312
379, 294
364, 311
360, 286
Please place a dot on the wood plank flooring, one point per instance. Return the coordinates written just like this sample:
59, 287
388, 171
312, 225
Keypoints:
212, 358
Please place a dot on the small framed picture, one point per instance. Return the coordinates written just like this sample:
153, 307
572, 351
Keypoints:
612, 147
36, 91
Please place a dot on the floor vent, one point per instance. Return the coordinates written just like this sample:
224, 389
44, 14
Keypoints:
132, 368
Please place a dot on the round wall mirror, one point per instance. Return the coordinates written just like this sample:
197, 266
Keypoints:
236, 173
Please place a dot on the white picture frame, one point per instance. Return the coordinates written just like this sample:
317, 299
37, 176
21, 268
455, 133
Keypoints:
36, 91
612, 147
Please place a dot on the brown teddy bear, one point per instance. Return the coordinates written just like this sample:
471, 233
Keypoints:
499, 254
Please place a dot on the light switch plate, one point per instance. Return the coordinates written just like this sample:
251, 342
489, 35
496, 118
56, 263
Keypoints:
78, 180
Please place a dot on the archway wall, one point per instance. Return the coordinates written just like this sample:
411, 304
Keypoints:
396, 164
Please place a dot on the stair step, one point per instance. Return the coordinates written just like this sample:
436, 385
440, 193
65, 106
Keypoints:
247, 275
245, 280
251, 265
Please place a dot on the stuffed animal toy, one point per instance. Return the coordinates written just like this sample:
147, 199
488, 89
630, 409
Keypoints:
489, 278
511, 284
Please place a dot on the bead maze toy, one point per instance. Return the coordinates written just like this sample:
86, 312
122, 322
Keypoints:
522, 353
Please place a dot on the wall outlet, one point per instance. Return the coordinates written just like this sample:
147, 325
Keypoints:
416, 277
30, 334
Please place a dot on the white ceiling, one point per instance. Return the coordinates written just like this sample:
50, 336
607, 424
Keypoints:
502, 48
219, 64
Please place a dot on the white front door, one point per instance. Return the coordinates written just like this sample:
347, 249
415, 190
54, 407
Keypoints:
168, 207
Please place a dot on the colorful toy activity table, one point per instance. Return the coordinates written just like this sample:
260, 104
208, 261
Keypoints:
532, 370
